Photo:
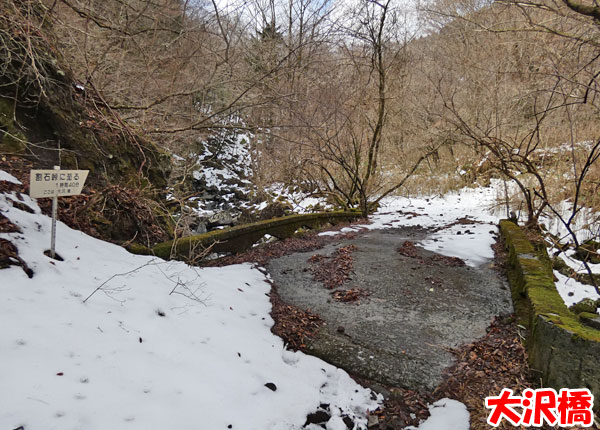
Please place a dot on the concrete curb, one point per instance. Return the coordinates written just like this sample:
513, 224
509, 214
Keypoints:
564, 350
242, 237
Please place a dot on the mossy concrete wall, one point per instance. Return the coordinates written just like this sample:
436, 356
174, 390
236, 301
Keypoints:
564, 351
242, 237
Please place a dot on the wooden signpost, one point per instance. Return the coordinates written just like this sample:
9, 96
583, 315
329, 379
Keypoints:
56, 183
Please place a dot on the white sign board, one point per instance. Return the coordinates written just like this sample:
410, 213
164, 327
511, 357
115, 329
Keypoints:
56, 183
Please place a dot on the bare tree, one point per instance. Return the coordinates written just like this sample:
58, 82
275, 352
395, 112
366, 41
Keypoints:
343, 124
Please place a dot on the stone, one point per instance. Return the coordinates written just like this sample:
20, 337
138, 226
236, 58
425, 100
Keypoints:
381, 390
590, 319
220, 218
318, 417
589, 252
585, 305
201, 228
372, 421
271, 386
348, 421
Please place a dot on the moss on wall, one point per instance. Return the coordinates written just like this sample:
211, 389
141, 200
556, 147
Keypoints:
242, 237
564, 350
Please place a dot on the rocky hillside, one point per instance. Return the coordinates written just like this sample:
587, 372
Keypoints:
48, 118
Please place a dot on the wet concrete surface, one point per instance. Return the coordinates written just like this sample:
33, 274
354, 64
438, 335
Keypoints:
400, 335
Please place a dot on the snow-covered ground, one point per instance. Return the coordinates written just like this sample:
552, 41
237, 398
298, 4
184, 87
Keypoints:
223, 168
5, 176
573, 291
446, 414
160, 345
570, 290
299, 201
164, 345
586, 225
471, 239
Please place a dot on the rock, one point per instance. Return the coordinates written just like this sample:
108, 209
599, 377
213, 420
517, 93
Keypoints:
201, 228
372, 421
585, 305
381, 390
318, 417
220, 218
348, 421
590, 319
341, 329
589, 252
271, 386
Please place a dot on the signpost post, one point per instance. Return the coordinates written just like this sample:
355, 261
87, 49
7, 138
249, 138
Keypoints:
56, 183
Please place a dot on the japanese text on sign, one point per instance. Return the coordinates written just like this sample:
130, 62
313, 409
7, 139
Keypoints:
56, 183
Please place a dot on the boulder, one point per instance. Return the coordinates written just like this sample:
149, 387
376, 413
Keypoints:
588, 252
586, 305
219, 219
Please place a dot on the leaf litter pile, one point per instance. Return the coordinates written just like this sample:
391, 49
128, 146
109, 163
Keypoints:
261, 255
292, 324
333, 271
411, 250
349, 296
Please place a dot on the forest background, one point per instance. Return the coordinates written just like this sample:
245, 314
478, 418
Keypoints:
352, 101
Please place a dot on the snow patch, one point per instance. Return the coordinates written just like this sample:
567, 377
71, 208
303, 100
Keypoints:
465, 221
573, 291
446, 414
7, 177
159, 345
